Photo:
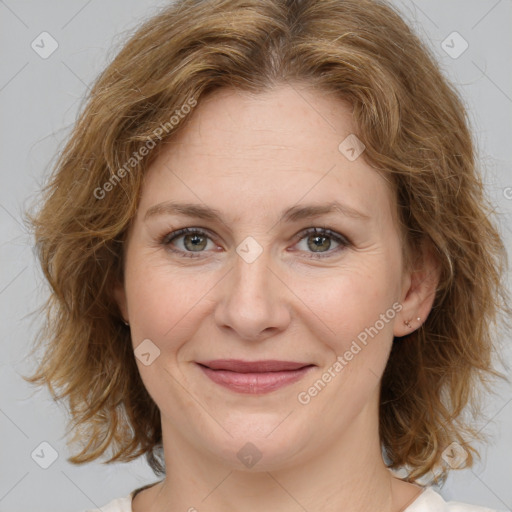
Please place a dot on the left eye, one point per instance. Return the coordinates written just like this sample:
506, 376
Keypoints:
319, 241
192, 240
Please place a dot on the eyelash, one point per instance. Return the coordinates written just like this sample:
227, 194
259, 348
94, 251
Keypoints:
170, 237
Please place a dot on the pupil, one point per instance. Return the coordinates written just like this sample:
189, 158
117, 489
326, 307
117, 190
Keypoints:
197, 241
319, 242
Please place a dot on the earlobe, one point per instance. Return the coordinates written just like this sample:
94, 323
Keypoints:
419, 291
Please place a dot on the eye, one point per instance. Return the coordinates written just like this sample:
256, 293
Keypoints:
319, 242
189, 241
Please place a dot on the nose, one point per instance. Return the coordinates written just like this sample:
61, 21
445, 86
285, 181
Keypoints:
253, 302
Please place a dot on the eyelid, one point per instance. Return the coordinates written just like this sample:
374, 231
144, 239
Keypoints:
340, 239
321, 230
168, 237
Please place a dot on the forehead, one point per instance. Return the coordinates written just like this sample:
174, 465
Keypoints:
284, 117
280, 145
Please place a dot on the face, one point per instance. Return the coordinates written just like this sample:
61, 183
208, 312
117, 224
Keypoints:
270, 323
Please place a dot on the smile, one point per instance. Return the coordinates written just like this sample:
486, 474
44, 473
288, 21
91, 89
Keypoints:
254, 377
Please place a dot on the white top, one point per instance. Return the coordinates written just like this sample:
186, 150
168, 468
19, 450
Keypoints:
427, 501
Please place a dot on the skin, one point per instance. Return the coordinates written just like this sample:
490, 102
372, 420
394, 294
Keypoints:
251, 157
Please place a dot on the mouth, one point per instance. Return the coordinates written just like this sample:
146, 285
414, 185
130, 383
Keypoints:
254, 377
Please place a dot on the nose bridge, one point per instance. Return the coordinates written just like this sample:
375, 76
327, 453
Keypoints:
252, 302
251, 272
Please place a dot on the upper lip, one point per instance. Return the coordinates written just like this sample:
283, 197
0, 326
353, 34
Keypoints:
240, 366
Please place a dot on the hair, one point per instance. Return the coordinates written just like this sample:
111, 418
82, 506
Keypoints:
416, 132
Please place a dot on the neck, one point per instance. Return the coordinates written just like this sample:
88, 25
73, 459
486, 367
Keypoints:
348, 475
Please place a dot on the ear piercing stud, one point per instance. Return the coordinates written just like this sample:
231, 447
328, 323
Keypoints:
408, 322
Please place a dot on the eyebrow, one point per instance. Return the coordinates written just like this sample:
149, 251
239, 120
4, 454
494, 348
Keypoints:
292, 214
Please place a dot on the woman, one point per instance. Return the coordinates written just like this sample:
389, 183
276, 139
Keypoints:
257, 237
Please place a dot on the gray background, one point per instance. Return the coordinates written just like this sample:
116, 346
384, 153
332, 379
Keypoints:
39, 99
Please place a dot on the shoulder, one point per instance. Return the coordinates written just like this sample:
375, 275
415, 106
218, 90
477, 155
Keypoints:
430, 501
117, 505
122, 504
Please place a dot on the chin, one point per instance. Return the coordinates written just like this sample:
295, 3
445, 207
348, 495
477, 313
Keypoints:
260, 442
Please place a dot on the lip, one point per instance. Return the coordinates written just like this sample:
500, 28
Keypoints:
254, 377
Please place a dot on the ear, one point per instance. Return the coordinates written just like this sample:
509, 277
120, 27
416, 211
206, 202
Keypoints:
418, 291
119, 293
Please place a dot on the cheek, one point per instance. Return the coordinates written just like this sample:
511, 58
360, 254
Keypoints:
349, 300
359, 312
163, 307
161, 298
359, 308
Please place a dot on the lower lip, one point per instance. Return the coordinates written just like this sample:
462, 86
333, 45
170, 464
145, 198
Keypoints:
254, 383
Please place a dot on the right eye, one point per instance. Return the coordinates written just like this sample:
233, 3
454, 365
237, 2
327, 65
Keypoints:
192, 240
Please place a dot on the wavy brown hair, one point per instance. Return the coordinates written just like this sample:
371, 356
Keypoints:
416, 131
